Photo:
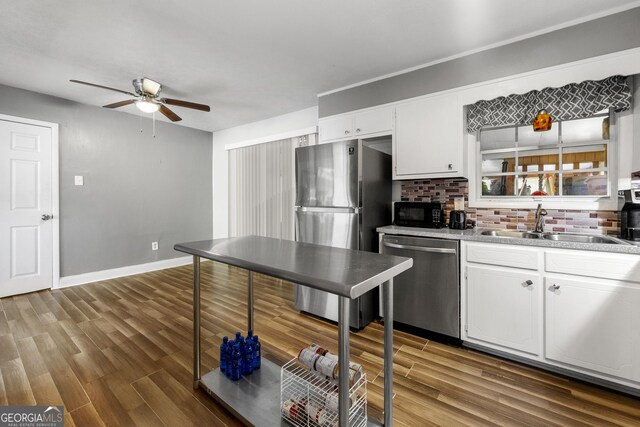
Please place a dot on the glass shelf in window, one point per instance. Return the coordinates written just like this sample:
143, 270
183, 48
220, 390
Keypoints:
538, 184
581, 130
497, 138
528, 138
498, 163
539, 160
584, 157
585, 184
498, 186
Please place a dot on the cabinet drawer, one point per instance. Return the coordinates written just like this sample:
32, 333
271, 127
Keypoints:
602, 265
504, 255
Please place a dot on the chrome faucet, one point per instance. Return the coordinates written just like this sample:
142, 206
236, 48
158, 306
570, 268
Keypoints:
540, 214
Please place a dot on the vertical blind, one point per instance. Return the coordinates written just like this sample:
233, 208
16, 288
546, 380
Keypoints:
262, 189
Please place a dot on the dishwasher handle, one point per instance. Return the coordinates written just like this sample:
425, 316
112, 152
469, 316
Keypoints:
420, 248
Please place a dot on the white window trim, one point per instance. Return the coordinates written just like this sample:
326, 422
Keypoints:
610, 203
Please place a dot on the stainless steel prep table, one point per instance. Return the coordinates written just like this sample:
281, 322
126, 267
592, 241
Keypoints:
346, 273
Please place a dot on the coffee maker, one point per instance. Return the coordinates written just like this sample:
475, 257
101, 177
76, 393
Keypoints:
630, 215
458, 217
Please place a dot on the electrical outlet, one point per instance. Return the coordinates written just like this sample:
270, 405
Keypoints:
154, 246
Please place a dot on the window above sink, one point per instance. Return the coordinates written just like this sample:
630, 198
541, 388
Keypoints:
569, 161
573, 165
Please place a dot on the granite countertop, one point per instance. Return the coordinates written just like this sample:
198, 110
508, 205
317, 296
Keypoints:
474, 235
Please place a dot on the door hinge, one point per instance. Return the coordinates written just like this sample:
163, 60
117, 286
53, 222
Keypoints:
465, 273
466, 328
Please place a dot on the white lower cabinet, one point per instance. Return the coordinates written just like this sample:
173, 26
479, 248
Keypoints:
503, 307
593, 324
564, 317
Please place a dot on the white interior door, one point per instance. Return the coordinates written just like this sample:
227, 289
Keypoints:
26, 203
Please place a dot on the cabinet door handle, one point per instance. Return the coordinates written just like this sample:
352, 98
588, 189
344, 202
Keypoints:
346, 132
554, 287
527, 283
450, 166
358, 130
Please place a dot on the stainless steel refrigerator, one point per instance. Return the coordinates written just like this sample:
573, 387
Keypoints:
343, 193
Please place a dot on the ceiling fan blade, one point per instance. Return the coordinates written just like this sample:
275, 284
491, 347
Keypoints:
169, 114
103, 87
120, 104
186, 104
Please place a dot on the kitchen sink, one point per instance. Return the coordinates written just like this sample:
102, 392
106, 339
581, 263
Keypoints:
511, 234
582, 238
558, 237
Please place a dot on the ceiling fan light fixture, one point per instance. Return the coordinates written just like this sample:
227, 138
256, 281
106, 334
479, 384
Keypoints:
147, 106
150, 86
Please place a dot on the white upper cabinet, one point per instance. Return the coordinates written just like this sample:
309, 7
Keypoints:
428, 138
378, 121
336, 128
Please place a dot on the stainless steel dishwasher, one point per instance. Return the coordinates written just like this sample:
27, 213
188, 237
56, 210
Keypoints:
427, 295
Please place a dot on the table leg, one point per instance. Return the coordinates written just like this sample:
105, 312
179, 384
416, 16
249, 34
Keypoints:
250, 300
387, 300
343, 358
196, 321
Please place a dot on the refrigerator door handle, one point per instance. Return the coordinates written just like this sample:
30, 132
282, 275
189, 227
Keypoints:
327, 209
420, 248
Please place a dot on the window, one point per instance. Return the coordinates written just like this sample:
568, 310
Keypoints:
570, 161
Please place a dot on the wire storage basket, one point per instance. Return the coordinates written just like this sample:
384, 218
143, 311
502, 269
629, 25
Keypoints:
308, 399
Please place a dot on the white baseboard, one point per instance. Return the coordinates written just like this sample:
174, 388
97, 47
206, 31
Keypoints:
96, 276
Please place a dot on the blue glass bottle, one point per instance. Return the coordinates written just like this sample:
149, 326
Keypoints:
256, 353
236, 363
224, 348
232, 343
248, 356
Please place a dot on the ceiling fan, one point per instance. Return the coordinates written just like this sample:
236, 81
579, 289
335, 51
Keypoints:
147, 98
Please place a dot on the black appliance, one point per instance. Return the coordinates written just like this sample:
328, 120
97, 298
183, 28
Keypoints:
418, 214
457, 220
630, 215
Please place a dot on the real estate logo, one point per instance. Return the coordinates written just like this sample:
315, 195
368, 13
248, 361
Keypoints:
31, 416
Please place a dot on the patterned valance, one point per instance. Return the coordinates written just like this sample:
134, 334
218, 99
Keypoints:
573, 101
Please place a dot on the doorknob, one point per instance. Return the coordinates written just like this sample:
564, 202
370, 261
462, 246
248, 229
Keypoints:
46, 217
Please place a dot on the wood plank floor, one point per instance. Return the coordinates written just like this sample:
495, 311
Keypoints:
118, 352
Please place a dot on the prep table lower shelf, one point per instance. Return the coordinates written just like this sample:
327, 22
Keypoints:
254, 399
346, 273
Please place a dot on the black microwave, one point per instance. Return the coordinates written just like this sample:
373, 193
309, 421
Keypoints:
418, 214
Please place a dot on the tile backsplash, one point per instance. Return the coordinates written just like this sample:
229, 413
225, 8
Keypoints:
561, 220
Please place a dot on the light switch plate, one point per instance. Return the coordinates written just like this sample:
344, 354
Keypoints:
79, 180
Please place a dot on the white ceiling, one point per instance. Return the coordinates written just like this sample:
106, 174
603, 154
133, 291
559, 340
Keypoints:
252, 59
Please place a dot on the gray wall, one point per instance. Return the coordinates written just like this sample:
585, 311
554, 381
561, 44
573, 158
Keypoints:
598, 37
137, 189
